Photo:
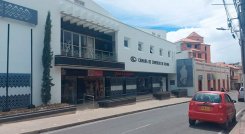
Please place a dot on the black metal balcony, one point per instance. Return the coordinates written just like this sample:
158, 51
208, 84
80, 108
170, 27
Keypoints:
75, 56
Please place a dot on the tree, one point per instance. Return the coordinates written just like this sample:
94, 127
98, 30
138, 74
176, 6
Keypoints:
46, 60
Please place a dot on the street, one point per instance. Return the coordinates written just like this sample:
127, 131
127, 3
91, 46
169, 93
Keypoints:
167, 120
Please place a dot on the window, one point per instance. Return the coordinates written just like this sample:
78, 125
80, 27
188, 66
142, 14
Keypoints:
199, 55
169, 53
151, 49
161, 52
140, 46
205, 48
194, 55
203, 97
188, 45
126, 42
197, 46
227, 98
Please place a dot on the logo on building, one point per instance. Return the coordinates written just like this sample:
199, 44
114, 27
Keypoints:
133, 59
148, 61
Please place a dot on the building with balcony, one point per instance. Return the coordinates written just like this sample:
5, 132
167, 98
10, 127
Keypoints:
195, 47
95, 55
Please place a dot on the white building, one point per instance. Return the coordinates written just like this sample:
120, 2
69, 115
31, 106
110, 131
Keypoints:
94, 54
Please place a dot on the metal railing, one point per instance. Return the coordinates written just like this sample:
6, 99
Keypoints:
86, 52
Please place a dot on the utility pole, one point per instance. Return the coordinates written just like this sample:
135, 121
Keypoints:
241, 18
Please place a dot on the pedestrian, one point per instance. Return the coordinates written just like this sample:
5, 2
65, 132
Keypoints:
222, 90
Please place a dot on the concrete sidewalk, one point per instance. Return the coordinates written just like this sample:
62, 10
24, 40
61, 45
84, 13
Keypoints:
84, 116
240, 126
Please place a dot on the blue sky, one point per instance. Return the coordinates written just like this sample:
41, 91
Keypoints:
179, 19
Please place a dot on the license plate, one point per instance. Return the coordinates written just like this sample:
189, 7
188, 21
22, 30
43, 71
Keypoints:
205, 108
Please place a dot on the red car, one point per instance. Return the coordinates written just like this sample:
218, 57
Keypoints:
212, 106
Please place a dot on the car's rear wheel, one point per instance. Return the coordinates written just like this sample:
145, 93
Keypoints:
234, 119
225, 125
192, 122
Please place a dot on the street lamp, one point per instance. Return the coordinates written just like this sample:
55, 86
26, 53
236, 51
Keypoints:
232, 31
221, 28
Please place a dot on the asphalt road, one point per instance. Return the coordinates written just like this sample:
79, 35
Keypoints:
167, 120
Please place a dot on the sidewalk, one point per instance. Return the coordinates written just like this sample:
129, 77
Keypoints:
240, 126
84, 116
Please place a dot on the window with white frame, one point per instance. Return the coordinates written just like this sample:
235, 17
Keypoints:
151, 49
161, 52
126, 42
140, 46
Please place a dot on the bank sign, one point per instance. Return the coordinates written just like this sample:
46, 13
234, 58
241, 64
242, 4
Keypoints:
17, 12
148, 61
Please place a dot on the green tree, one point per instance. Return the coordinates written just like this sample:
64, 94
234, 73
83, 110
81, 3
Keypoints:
47, 60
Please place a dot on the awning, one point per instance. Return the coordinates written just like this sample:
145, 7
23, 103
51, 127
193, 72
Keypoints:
82, 16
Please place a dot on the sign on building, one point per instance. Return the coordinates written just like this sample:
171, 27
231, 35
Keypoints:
185, 73
17, 12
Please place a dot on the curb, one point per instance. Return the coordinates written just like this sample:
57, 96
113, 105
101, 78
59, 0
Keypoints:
37, 114
240, 115
98, 119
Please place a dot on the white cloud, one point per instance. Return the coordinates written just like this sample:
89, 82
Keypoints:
193, 15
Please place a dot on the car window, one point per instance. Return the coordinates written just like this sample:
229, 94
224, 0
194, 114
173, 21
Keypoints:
227, 98
205, 97
241, 89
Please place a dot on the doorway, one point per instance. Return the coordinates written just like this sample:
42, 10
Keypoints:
69, 89
200, 85
94, 86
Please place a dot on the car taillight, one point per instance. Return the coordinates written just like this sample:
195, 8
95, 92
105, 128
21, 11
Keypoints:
192, 105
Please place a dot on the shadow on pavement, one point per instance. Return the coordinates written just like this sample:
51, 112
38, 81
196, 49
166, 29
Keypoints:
213, 127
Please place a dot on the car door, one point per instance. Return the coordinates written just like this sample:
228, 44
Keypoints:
230, 110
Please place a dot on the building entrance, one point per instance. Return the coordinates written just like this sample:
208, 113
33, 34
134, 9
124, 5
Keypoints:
94, 86
68, 89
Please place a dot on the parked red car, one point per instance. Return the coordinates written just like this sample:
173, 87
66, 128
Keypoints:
212, 106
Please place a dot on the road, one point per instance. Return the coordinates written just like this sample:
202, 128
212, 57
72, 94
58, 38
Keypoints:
167, 120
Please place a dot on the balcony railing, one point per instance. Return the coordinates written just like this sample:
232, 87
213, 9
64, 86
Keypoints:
86, 52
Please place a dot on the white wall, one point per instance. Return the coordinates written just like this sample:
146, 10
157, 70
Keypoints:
182, 55
158, 33
135, 36
20, 45
90, 4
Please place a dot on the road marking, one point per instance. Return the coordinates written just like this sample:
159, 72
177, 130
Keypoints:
240, 112
135, 129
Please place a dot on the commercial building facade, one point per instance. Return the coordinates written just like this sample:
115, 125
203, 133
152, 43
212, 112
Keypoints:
94, 54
